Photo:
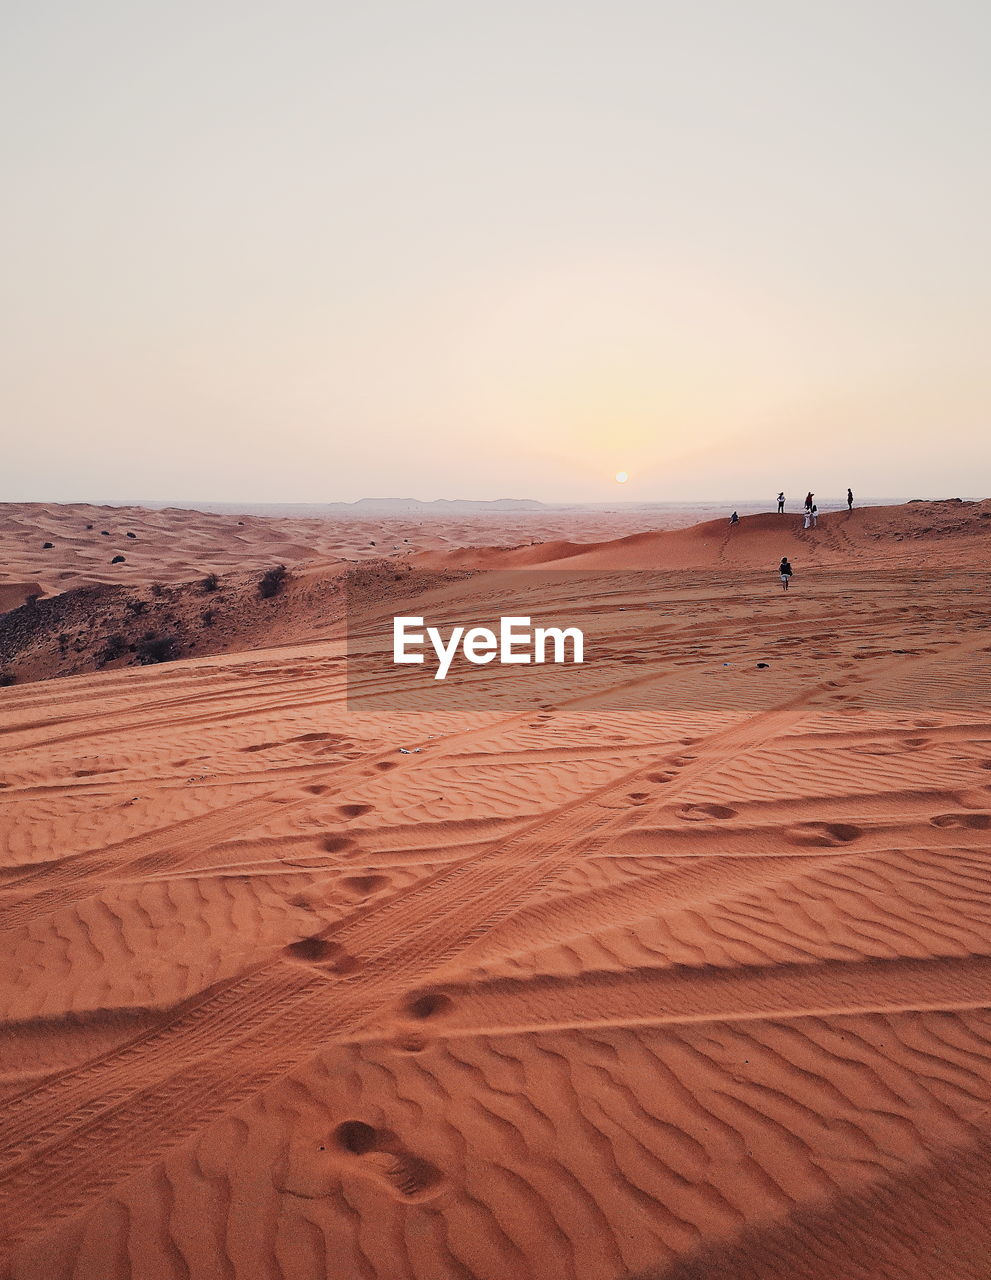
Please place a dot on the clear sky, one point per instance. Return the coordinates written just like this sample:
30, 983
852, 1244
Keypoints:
317, 251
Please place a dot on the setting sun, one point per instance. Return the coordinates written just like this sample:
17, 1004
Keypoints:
621, 477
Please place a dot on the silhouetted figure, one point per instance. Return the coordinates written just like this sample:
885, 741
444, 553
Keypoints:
785, 570
781, 503
849, 499
808, 500
734, 518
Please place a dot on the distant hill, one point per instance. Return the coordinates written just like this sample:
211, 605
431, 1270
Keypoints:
446, 506
365, 507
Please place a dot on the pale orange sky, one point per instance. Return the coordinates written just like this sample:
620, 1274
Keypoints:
312, 253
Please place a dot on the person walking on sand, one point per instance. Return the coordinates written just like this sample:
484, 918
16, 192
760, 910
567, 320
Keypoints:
808, 518
814, 513
849, 499
734, 518
808, 500
781, 504
785, 570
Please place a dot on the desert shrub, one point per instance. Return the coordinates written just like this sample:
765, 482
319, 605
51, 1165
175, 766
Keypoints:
157, 590
272, 582
153, 648
7, 678
115, 647
210, 583
208, 616
137, 607
117, 560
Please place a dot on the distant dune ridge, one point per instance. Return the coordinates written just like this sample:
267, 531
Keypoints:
694, 990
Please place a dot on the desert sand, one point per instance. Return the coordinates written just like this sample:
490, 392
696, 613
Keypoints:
175, 545
686, 978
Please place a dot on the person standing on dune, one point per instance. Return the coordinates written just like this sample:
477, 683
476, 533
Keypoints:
785, 570
781, 503
849, 499
808, 500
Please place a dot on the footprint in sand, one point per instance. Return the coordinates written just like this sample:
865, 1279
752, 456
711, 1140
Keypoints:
358, 1148
700, 812
411, 1043
822, 835
660, 777
383, 1155
304, 901
336, 843
323, 954
354, 810
363, 886
968, 821
428, 1004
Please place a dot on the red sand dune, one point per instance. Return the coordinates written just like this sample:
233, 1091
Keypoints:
699, 989
886, 534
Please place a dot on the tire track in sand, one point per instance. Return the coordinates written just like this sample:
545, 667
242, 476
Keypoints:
70, 1139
